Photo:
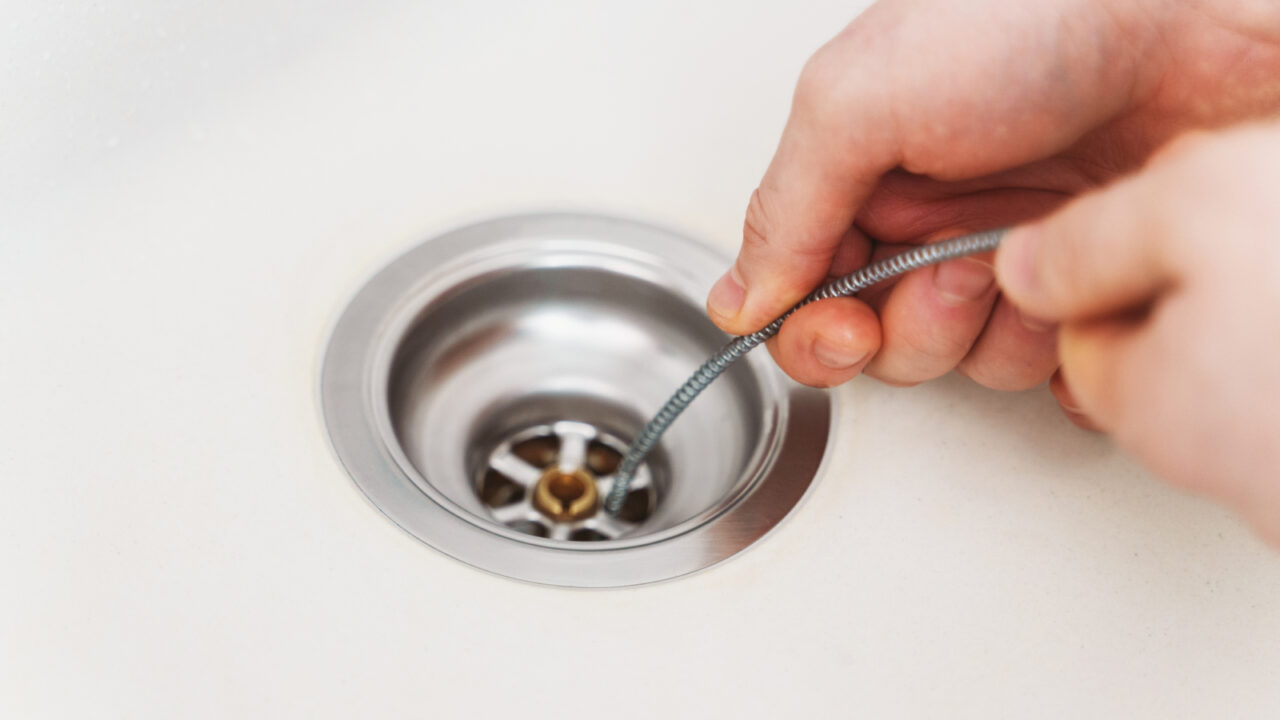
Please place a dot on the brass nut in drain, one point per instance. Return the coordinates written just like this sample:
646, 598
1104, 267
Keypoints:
565, 496
549, 481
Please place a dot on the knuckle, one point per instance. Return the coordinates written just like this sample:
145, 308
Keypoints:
827, 85
816, 80
770, 227
909, 358
942, 349
759, 225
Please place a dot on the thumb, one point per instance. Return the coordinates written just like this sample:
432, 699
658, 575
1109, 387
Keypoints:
1104, 252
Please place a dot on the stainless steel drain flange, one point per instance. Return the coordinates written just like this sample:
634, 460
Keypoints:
482, 387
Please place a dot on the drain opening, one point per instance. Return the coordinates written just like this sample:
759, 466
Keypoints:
498, 490
530, 527
540, 451
551, 480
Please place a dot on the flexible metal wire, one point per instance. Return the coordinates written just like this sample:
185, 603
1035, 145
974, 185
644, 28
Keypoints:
849, 284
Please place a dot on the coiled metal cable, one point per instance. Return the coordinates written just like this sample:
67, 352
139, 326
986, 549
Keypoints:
849, 284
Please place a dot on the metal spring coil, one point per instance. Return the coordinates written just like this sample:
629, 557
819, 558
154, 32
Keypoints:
849, 284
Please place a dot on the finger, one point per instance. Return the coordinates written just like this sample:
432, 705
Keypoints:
1132, 374
1098, 254
1143, 377
930, 319
1070, 406
836, 144
1014, 351
1006, 354
1061, 175
1123, 372
1116, 369
903, 208
827, 343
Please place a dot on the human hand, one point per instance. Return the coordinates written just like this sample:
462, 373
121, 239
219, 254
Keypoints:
924, 119
1167, 288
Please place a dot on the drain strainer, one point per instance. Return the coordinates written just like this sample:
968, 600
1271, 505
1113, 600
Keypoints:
482, 388
551, 481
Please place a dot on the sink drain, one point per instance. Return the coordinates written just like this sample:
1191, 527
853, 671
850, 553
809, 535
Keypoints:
551, 480
482, 388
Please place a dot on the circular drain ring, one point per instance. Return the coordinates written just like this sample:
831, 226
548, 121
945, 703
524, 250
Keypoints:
355, 370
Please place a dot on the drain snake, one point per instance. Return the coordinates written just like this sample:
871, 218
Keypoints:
856, 281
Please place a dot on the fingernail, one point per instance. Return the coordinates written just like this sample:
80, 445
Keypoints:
836, 356
1016, 260
1034, 324
963, 281
727, 295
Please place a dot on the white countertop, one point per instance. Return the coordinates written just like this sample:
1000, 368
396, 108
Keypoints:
188, 196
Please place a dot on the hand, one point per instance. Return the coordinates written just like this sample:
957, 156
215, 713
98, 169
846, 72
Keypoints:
1167, 288
927, 118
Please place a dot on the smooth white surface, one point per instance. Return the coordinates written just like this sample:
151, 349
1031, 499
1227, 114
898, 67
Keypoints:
188, 195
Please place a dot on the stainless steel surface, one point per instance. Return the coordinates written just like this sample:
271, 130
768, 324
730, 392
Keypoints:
581, 325
855, 281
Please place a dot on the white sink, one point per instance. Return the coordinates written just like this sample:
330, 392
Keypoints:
190, 193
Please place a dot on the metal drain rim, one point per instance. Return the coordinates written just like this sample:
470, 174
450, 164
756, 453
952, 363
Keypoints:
349, 385
505, 253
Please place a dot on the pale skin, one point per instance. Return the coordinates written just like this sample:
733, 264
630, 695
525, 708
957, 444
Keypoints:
1143, 278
